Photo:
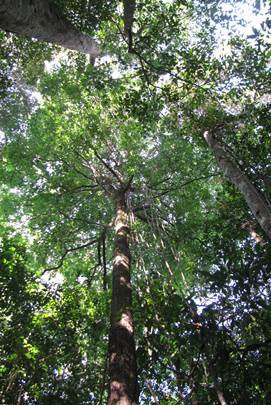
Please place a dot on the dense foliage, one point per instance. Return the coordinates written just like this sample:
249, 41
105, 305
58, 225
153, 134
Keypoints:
200, 261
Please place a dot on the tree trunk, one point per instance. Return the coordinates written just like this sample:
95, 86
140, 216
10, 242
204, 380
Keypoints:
220, 394
37, 19
123, 388
217, 386
254, 200
179, 378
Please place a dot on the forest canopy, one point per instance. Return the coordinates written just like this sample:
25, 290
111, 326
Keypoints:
135, 257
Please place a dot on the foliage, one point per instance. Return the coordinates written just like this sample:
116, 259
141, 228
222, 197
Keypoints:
47, 335
201, 264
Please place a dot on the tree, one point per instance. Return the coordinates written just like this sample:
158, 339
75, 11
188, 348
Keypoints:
122, 357
41, 21
77, 173
114, 174
255, 201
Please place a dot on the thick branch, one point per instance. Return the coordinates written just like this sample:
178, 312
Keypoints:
129, 7
37, 19
108, 167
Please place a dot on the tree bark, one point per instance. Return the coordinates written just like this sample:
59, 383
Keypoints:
217, 386
123, 389
254, 200
37, 19
179, 378
220, 394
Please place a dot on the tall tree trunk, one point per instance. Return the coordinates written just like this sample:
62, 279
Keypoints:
254, 200
123, 388
37, 19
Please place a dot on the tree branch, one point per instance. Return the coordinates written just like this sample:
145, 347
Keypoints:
112, 171
255, 346
67, 251
169, 190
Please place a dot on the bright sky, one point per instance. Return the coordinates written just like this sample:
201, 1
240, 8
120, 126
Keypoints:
244, 21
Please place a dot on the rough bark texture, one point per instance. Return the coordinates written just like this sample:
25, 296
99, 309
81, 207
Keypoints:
254, 200
37, 19
123, 388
